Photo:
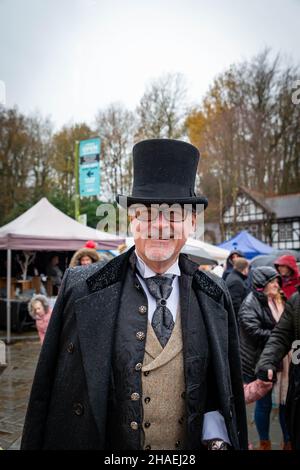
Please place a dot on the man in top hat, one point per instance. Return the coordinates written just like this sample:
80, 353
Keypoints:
143, 353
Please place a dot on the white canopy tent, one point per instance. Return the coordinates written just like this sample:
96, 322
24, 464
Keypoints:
218, 254
44, 227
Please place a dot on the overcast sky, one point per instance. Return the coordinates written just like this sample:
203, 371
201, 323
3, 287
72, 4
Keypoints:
68, 58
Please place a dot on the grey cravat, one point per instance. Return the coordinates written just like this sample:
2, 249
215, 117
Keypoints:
162, 321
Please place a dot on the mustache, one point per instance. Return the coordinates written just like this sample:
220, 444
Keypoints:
161, 233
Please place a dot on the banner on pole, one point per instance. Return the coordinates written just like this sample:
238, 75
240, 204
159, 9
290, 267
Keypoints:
89, 167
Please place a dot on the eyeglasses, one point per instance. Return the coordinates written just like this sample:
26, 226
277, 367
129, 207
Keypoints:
150, 214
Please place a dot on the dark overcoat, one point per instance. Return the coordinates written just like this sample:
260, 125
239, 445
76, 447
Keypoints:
71, 388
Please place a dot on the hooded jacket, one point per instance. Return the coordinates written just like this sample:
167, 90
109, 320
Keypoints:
75, 261
255, 319
289, 283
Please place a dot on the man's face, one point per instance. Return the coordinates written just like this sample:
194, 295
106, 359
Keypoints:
160, 231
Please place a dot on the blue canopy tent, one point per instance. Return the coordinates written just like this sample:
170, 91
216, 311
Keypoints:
248, 244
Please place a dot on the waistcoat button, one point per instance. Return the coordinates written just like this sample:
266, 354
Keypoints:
143, 309
138, 366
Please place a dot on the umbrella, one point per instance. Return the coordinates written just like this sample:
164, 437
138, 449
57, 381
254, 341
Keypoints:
268, 260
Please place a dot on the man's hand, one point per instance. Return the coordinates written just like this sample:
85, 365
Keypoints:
270, 374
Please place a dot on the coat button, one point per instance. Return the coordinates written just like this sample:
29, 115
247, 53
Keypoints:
148, 447
147, 424
180, 421
146, 373
70, 348
78, 409
138, 366
135, 396
177, 444
183, 395
134, 425
140, 335
147, 400
142, 309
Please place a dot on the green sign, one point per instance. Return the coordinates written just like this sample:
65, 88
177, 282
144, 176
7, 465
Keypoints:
89, 167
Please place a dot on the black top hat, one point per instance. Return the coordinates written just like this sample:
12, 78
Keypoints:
164, 172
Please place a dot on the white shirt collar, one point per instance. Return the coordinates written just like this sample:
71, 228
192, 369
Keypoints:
146, 272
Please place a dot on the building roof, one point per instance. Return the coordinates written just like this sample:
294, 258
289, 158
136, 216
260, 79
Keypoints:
259, 198
283, 206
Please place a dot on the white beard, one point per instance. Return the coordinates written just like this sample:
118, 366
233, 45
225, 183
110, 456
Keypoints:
158, 253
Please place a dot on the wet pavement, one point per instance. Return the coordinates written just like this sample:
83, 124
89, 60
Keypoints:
15, 384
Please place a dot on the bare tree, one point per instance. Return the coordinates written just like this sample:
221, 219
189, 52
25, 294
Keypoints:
162, 111
116, 127
24, 261
247, 129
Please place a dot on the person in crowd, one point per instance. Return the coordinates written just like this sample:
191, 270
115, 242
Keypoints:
233, 255
258, 315
54, 272
235, 282
143, 352
40, 310
286, 337
288, 270
84, 257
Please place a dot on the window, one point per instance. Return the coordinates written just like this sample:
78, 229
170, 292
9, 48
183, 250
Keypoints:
286, 231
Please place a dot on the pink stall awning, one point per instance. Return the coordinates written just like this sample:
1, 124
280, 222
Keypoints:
44, 227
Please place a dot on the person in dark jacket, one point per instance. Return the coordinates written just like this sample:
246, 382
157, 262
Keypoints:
143, 353
258, 316
284, 337
233, 255
288, 270
236, 283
